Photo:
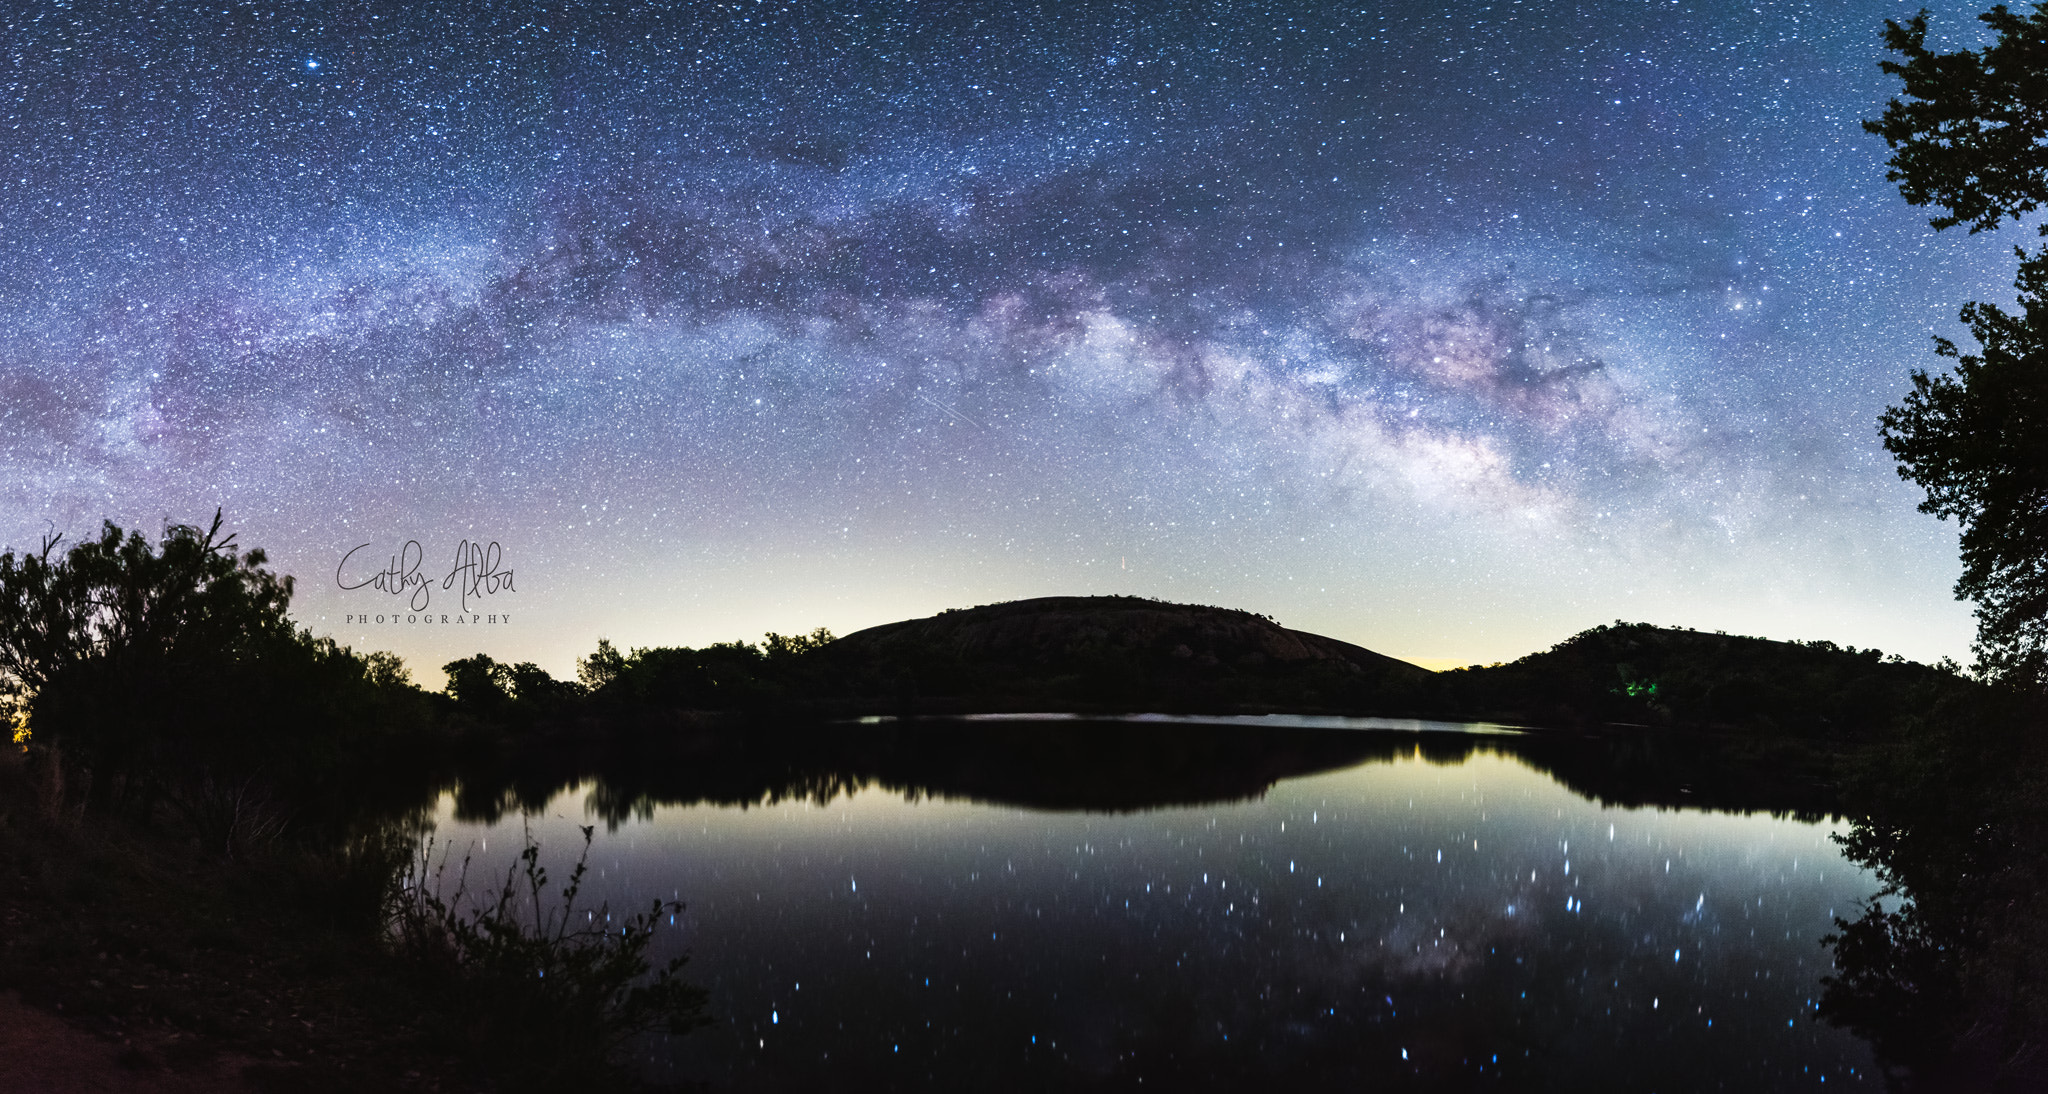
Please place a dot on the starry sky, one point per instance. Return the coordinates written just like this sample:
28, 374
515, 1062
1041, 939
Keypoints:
1448, 330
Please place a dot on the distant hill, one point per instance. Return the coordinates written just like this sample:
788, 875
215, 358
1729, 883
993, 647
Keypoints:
1115, 652
1635, 673
1110, 654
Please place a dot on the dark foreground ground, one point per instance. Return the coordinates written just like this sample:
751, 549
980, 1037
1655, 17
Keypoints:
132, 960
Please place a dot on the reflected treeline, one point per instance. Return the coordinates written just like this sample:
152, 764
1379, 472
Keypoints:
1951, 983
1635, 767
1103, 766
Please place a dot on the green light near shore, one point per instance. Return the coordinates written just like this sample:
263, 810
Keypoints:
1638, 689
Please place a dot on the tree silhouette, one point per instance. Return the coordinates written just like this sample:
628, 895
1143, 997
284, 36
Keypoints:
171, 673
1971, 137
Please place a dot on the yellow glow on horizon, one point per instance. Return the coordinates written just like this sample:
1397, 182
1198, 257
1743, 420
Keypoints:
1441, 664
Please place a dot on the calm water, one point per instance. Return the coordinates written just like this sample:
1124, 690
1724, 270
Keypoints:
1410, 920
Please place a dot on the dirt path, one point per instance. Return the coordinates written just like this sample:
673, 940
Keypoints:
41, 1053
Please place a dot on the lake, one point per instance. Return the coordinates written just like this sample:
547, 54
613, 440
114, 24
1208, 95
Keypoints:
1312, 906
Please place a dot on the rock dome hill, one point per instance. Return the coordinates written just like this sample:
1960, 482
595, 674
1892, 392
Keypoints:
1107, 652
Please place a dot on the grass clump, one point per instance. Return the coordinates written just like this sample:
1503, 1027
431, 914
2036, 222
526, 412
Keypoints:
548, 1000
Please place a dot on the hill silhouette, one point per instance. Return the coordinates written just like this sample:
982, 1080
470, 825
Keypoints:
1114, 654
1111, 653
1639, 674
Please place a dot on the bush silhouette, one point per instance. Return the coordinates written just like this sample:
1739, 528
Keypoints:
550, 999
170, 675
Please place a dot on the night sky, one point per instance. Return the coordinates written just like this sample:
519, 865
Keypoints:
1446, 332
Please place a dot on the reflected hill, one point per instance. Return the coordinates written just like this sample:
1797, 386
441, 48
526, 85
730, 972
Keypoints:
1111, 767
1103, 767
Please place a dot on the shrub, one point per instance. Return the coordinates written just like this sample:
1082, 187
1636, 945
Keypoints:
540, 998
170, 673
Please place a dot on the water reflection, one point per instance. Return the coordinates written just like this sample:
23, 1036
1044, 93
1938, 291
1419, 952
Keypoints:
1316, 909
1110, 765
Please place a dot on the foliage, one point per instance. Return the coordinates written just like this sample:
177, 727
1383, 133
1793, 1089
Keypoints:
602, 666
1974, 138
1953, 979
547, 1000
479, 683
1977, 441
1971, 137
170, 675
498, 696
92, 640
790, 647
724, 676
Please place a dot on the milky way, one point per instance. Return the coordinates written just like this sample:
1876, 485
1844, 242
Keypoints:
1446, 332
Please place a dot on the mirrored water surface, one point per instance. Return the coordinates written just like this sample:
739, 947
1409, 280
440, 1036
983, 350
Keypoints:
1394, 908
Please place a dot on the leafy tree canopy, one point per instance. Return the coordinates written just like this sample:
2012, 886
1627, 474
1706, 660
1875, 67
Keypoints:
1971, 137
158, 668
